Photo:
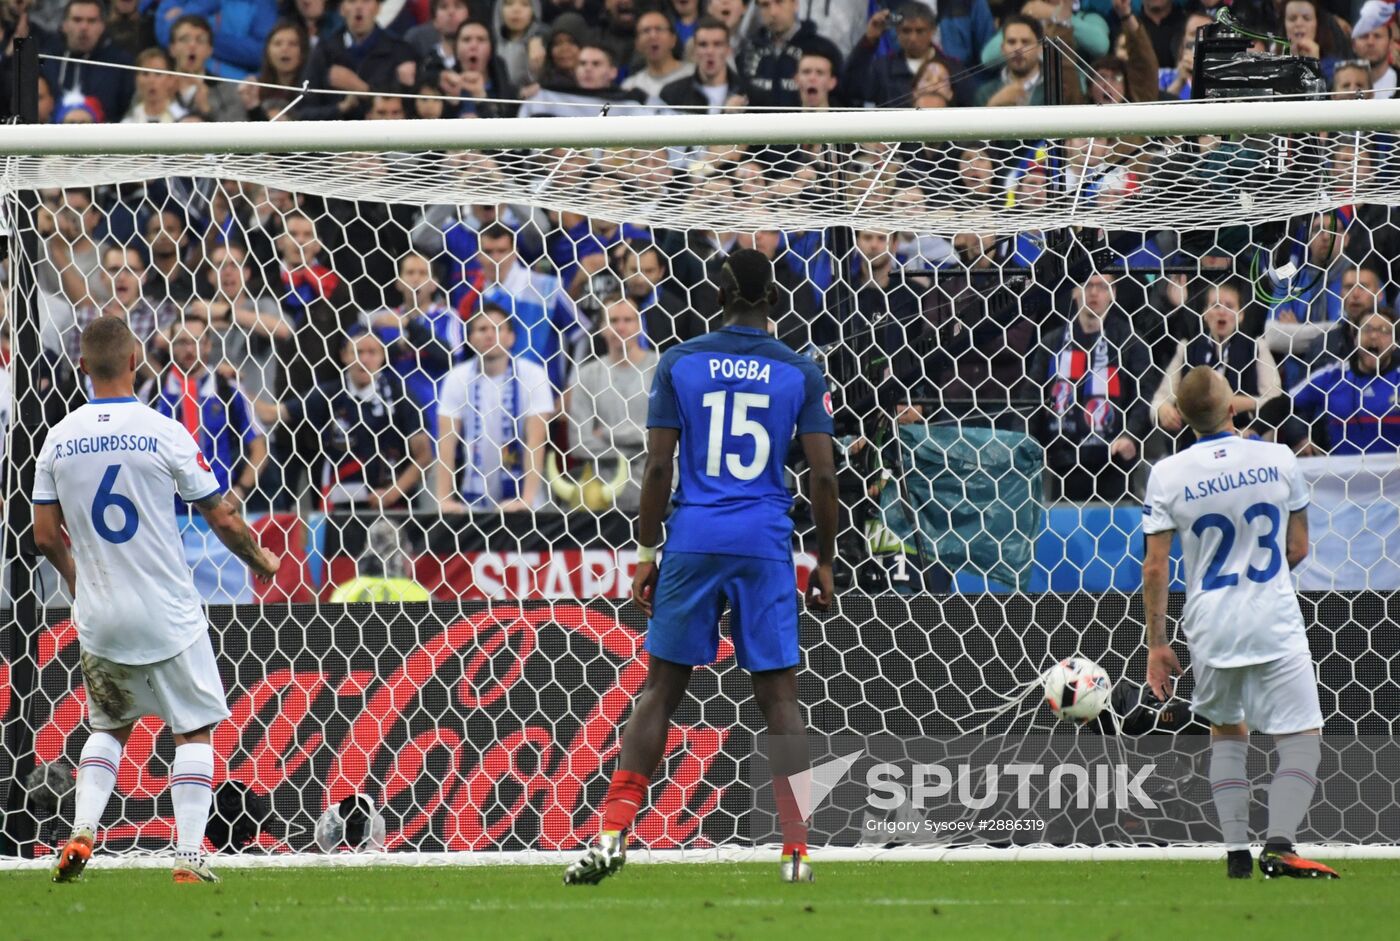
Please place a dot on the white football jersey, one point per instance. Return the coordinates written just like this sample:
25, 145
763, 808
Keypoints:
489, 410
114, 466
1229, 499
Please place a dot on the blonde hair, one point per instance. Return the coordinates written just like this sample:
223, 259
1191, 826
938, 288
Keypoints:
106, 346
1203, 398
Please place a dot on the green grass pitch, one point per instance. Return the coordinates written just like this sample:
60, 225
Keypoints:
864, 901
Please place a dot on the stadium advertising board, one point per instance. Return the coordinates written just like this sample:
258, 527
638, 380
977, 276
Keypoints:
492, 726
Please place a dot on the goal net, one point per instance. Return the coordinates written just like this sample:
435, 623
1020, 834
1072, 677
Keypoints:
419, 354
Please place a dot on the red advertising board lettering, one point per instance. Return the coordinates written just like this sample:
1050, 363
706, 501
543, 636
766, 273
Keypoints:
409, 731
563, 574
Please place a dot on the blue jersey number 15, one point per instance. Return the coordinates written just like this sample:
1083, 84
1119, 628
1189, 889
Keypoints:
740, 426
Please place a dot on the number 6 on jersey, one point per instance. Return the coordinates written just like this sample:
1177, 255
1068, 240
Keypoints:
106, 497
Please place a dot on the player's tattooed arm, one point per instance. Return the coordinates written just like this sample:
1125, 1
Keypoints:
1155, 579
210, 503
1162, 663
229, 525
1156, 628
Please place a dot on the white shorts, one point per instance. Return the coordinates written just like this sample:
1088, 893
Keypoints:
185, 691
1277, 698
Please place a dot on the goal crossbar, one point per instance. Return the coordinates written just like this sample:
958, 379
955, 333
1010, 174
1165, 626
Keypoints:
1245, 163
948, 124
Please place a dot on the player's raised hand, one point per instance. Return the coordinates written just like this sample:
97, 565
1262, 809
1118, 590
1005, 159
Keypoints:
1162, 666
265, 565
821, 588
644, 586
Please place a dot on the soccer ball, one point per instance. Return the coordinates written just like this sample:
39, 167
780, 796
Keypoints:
1076, 689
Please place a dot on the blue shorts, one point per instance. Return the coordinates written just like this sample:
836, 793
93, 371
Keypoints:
690, 596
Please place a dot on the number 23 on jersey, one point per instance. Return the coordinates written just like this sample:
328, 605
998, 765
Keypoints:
1214, 578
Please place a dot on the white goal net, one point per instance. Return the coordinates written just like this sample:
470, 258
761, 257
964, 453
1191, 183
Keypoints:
1002, 310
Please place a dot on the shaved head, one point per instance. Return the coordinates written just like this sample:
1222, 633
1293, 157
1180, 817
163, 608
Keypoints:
107, 347
1203, 399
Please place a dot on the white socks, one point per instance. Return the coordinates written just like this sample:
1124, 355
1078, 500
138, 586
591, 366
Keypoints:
191, 790
97, 775
1229, 786
1295, 781
1290, 793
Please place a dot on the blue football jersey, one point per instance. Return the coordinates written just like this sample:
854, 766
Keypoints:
1362, 410
738, 397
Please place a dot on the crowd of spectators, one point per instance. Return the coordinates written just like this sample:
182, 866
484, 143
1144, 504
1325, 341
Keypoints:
378, 356
494, 58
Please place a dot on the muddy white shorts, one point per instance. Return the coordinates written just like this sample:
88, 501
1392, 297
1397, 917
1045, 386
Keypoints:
185, 691
1278, 697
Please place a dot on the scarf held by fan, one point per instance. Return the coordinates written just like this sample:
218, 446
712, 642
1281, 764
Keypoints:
1084, 387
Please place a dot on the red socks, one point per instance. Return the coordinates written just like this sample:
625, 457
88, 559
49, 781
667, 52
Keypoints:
626, 792
789, 818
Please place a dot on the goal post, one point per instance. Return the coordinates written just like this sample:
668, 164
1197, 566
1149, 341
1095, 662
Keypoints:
1001, 300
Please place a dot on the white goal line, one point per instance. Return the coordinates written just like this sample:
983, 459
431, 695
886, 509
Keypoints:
721, 854
872, 125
